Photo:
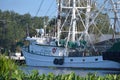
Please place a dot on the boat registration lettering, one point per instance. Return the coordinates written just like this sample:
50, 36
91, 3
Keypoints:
45, 51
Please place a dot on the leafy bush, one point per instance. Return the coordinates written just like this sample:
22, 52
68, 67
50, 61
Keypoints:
9, 71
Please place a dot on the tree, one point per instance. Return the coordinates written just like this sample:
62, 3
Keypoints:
13, 28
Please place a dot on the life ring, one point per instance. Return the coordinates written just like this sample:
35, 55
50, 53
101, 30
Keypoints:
61, 61
58, 61
54, 50
55, 61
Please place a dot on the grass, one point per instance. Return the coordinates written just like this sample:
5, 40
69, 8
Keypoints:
10, 71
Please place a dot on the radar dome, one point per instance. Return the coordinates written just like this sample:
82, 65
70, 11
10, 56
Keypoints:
41, 31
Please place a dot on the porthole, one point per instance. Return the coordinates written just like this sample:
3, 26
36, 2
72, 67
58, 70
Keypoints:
83, 60
71, 60
96, 59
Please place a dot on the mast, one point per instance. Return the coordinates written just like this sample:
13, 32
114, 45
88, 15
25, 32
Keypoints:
74, 20
74, 10
88, 9
45, 27
115, 19
27, 30
59, 21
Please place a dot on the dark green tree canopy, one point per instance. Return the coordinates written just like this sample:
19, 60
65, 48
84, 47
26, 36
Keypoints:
13, 27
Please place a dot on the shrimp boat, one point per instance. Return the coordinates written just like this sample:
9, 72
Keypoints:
73, 47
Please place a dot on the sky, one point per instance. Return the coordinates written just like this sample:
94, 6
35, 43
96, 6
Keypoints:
33, 7
48, 7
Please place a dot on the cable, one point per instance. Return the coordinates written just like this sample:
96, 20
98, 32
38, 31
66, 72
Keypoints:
49, 7
39, 7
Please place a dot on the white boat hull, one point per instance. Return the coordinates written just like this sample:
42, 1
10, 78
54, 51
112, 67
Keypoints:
93, 62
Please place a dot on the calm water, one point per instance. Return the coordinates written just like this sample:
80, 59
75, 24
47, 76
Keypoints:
81, 72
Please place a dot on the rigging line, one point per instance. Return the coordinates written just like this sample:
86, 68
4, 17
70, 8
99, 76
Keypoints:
39, 7
96, 15
53, 12
49, 7
51, 16
68, 38
81, 18
101, 32
112, 2
65, 20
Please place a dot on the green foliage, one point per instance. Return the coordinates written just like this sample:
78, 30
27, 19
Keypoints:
10, 71
13, 27
103, 23
34, 75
